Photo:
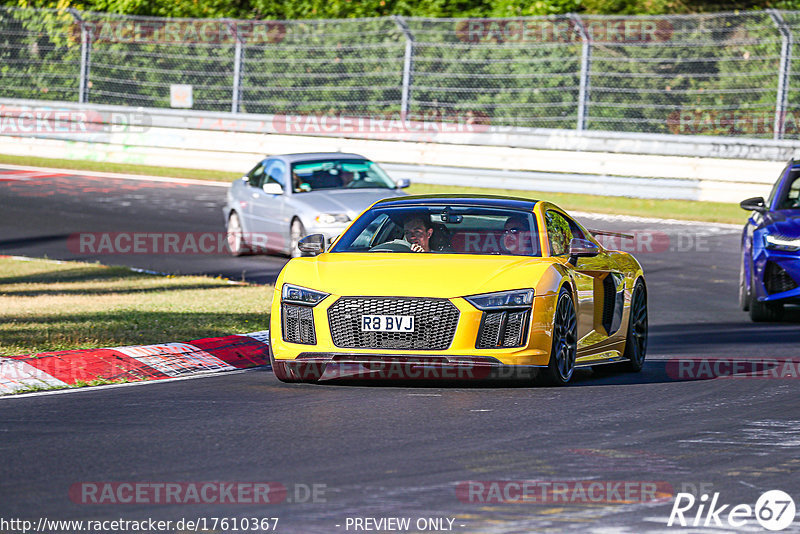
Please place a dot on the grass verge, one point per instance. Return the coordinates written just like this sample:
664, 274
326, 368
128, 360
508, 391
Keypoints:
125, 168
665, 209
49, 306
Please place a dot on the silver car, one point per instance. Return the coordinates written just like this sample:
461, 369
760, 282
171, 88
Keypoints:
286, 197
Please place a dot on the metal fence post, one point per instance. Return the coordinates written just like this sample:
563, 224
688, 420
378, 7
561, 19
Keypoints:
238, 58
586, 66
783, 74
86, 43
408, 64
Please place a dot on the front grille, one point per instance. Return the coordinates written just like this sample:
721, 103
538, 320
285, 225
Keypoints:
502, 329
776, 279
435, 322
298, 324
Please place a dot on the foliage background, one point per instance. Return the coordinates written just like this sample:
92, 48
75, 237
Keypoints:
316, 9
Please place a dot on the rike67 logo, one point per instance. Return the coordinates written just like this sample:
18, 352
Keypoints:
774, 510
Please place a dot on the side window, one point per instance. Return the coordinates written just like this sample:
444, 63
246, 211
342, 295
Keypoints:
255, 178
560, 231
775, 187
792, 196
276, 172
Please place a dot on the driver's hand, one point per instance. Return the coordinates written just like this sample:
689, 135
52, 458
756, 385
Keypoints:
416, 247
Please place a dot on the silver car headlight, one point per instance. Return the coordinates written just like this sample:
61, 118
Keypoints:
519, 298
332, 218
777, 242
302, 295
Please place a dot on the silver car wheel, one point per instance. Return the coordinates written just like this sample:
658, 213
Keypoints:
298, 232
235, 236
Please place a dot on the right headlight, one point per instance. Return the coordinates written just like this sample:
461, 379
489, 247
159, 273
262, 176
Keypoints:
502, 300
332, 218
302, 295
778, 242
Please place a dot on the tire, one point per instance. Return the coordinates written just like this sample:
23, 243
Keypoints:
235, 236
744, 294
296, 233
565, 342
636, 340
765, 312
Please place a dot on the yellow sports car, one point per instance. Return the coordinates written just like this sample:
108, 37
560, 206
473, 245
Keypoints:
438, 287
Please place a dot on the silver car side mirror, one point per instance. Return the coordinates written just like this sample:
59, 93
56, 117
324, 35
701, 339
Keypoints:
402, 183
312, 245
271, 188
581, 248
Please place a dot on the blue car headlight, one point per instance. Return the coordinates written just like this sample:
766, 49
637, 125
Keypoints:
779, 242
518, 298
302, 295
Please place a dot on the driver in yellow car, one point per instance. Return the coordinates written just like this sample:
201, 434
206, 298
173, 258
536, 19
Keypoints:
418, 231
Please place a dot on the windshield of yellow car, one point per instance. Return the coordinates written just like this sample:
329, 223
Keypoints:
339, 174
449, 229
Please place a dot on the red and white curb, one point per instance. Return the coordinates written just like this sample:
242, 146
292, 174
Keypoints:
132, 364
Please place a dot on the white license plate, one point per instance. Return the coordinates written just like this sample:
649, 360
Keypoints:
387, 323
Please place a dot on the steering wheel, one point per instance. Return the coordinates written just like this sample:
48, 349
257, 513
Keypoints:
398, 245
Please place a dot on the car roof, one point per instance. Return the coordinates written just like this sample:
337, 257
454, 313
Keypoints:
313, 156
491, 201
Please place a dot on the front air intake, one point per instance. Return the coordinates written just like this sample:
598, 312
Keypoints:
502, 329
776, 279
298, 324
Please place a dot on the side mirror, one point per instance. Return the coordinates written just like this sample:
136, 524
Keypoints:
271, 188
312, 245
402, 183
581, 248
754, 204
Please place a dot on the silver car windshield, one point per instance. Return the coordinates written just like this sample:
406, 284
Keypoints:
443, 229
339, 174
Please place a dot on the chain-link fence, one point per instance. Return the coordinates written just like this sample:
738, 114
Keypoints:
718, 74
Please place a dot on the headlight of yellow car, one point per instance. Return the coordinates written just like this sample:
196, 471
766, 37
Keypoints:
302, 295
502, 299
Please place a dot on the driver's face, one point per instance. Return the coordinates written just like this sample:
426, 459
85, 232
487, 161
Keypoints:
416, 233
515, 235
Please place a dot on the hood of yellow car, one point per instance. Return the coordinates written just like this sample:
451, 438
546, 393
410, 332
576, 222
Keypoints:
414, 275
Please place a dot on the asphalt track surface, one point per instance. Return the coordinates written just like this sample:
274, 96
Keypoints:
401, 450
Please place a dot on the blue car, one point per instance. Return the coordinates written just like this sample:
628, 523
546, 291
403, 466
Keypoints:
770, 268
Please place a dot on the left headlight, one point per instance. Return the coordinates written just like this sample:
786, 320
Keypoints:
778, 242
520, 298
332, 218
302, 295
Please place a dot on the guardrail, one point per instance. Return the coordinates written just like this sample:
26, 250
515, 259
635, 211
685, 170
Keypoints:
642, 165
